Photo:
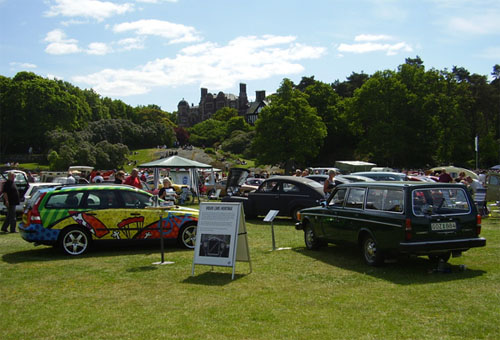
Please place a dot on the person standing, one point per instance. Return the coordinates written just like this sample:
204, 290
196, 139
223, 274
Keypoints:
167, 191
133, 179
445, 177
10, 199
329, 183
119, 177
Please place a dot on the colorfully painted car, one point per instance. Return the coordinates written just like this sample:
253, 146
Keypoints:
73, 217
388, 218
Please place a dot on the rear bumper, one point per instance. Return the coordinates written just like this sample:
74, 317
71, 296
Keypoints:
436, 246
37, 233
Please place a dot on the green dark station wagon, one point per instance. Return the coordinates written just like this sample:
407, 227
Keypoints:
389, 218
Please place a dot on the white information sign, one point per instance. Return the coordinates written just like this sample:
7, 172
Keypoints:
221, 237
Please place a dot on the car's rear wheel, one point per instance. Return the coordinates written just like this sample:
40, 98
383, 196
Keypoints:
310, 238
187, 236
75, 241
371, 253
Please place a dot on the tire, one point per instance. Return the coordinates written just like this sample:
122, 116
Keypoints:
310, 239
187, 236
75, 241
372, 255
437, 257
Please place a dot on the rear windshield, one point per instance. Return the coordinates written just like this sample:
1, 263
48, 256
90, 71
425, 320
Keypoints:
440, 201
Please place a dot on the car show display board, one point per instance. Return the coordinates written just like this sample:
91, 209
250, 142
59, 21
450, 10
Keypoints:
221, 237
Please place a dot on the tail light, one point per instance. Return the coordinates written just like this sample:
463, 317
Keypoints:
478, 224
33, 214
408, 229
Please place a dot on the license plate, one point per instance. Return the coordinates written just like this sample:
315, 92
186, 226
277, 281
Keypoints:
443, 226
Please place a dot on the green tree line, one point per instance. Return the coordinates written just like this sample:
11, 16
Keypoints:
411, 117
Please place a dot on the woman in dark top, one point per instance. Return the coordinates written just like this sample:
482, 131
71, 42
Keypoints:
119, 176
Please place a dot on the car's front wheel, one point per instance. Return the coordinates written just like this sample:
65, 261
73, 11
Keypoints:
310, 239
75, 241
187, 236
372, 254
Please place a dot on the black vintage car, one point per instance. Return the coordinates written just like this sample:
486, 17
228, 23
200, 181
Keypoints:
288, 194
386, 218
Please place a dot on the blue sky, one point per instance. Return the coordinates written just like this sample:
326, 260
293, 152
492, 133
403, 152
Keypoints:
161, 51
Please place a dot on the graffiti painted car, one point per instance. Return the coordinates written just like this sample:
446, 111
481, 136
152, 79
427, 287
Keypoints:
73, 217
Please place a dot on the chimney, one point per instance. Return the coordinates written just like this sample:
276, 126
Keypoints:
204, 93
260, 96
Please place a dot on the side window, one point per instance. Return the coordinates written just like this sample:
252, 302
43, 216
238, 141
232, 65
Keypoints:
290, 188
374, 199
135, 200
385, 199
65, 200
493, 180
338, 198
268, 186
355, 198
394, 201
102, 199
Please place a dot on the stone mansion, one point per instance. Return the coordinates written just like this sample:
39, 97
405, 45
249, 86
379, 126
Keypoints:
210, 103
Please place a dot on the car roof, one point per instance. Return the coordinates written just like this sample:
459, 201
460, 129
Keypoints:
409, 184
87, 187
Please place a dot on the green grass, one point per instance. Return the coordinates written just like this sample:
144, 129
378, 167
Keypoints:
117, 293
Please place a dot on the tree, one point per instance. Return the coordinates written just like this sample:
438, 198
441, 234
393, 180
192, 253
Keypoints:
288, 130
225, 114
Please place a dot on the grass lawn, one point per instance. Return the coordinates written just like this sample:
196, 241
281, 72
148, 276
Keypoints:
117, 293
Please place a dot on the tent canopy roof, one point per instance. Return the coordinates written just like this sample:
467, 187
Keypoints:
175, 162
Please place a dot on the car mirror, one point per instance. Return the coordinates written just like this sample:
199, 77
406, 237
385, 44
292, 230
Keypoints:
322, 203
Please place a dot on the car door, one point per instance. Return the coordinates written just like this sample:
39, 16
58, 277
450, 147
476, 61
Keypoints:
136, 219
332, 221
352, 214
266, 197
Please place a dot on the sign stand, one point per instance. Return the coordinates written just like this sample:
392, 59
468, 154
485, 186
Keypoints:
270, 218
221, 236
160, 228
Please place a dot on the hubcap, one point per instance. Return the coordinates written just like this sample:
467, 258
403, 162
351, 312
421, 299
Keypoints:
75, 243
189, 237
370, 249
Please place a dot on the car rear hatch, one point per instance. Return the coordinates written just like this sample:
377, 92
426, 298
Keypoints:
442, 213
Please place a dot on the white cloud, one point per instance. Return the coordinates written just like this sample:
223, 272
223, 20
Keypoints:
175, 33
128, 44
22, 65
95, 9
209, 65
58, 44
483, 24
98, 48
366, 43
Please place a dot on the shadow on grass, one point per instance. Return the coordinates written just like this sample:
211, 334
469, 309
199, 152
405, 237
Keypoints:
212, 278
403, 271
98, 249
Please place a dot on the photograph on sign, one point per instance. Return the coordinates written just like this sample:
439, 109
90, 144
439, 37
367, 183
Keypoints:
215, 245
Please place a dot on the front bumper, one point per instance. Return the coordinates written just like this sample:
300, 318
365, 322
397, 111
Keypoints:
37, 233
437, 246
